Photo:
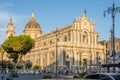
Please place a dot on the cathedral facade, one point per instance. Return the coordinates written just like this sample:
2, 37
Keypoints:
73, 46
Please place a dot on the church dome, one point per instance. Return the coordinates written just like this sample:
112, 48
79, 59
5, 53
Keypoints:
32, 24
32, 28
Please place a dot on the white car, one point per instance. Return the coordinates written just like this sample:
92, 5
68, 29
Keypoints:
103, 76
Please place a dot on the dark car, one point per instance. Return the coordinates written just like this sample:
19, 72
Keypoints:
103, 76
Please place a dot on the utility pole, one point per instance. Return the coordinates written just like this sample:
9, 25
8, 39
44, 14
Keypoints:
112, 10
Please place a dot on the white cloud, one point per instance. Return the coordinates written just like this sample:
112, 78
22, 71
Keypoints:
4, 17
19, 20
3, 5
2, 29
2, 34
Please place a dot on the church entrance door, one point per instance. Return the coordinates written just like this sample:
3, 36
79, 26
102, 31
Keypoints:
84, 64
68, 64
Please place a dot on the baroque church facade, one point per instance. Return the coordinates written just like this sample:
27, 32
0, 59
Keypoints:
73, 46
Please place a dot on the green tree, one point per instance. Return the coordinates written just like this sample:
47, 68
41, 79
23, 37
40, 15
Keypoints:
28, 65
3, 64
19, 66
10, 65
18, 46
13, 56
36, 67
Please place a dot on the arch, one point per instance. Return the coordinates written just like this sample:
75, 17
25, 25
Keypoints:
85, 59
67, 56
85, 36
65, 38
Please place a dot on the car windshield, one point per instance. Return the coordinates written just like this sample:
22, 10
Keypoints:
116, 77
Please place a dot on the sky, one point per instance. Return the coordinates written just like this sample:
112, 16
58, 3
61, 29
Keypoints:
56, 13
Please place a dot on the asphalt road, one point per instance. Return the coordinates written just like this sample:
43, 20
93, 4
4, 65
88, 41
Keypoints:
34, 77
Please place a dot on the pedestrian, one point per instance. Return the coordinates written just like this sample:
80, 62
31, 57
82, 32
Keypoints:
34, 72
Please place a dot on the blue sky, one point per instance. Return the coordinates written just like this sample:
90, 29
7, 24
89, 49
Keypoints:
56, 13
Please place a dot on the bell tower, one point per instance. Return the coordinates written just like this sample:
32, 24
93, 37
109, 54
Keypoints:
10, 29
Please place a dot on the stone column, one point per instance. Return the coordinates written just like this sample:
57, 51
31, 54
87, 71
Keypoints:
62, 58
45, 60
89, 38
95, 38
93, 57
74, 33
41, 57
48, 58
80, 37
77, 59
71, 62
59, 58
72, 36
75, 25
35, 58
75, 56
76, 36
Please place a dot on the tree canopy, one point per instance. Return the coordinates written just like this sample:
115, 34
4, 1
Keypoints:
19, 45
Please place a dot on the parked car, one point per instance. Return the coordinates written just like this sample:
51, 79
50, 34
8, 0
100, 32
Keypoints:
103, 76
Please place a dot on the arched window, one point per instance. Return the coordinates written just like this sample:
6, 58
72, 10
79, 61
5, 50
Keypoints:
52, 54
35, 26
67, 56
65, 38
51, 42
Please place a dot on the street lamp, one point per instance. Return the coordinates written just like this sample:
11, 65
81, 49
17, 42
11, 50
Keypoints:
90, 57
112, 10
56, 51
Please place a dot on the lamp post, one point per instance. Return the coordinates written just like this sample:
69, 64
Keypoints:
90, 57
112, 10
2, 63
56, 68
